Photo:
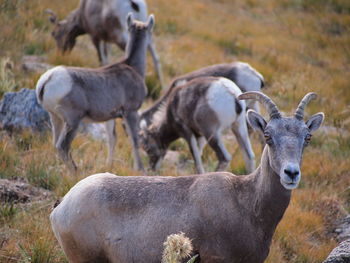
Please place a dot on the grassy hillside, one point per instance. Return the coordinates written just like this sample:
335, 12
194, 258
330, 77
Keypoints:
298, 45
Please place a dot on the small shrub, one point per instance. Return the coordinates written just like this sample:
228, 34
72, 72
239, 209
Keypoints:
34, 48
39, 176
9, 6
7, 78
39, 252
24, 141
9, 161
176, 248
7, 212
153, 87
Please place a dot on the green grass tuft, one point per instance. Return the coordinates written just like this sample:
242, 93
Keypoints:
7, 212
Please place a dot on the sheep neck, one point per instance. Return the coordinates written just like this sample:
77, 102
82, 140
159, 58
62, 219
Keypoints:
75, 28
166, 133
271, 199
136, 53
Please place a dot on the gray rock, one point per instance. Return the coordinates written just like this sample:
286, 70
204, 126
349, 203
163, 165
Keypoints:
343, 229
34, 64
20, 110
20, 191
95, 130
341, 254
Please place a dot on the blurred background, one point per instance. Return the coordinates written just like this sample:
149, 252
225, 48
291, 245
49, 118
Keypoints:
297, 45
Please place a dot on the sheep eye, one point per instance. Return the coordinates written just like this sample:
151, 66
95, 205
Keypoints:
268, 138
307, 139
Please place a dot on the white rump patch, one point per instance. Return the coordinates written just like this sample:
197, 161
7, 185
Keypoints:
57, 83
248, 77
221, 98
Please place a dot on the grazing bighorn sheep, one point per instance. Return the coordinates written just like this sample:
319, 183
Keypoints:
72, 94
109, 218
104, 21
198, 112
241, 73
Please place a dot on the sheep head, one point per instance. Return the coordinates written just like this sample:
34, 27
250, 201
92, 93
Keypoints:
286, 137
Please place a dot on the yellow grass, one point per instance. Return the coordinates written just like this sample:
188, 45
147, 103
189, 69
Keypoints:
299, 46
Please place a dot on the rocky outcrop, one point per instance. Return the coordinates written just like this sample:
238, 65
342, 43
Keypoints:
341, 254
35, 64
343, 229
19, 191
20, 110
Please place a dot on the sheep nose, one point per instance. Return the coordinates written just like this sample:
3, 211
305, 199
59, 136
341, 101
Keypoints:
291, 171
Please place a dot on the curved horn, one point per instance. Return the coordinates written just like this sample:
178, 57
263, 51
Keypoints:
53, 16
263, 99
299, 112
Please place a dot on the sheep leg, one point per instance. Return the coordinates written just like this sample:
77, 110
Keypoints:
63, 144
99, 45
192, 141
241, 133
111, 139
56, 124
201, 143
222, 154
156, 62
105, 51
132, 128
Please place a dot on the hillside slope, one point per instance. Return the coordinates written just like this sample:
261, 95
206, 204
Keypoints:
299, 46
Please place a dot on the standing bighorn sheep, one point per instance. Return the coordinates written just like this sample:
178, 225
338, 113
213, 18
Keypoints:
198, 111
72, 94
104, 21
109, 218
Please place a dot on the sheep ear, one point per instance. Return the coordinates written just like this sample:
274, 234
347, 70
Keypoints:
150, 22
53, 16
256, 121
315, 121
129, 19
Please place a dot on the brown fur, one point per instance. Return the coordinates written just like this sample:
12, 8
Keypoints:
230, 219
99, 95
105, 22
187, 114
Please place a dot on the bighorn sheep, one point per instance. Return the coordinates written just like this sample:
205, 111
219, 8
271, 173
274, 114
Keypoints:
72, 94
109, 218
241, 73
104, 21
198, 112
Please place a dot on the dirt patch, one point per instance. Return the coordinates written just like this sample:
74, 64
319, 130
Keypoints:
19, 191
333, 213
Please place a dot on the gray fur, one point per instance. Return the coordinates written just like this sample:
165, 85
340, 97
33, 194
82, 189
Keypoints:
226, 70
186, 113
98, 95
105, 22
230, 71
230, 219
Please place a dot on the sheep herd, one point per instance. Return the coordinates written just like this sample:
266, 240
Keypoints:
108, 218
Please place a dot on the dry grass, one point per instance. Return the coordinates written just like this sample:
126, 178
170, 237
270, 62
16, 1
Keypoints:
298, 46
